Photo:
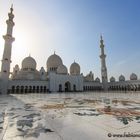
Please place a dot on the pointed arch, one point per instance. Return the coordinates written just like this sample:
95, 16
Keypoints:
67, 86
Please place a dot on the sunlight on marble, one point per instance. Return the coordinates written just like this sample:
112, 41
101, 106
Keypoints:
69, 116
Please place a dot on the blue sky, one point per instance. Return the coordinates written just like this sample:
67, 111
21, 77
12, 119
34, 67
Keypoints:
72, 29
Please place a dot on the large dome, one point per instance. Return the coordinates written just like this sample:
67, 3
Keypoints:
29, 63
53, 62
121, 78
62, 69
133, 76
75, 68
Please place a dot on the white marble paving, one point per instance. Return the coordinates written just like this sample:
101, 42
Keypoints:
68, 116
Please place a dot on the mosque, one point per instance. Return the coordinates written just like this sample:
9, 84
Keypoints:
56, 77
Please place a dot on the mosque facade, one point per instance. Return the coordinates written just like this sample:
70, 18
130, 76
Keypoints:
56, 77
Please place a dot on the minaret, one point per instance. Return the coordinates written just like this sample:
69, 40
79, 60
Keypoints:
103, 65
6, 60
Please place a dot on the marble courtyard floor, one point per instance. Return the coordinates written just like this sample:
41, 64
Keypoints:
77, 116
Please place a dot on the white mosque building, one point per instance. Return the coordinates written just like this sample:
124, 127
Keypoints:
56, 77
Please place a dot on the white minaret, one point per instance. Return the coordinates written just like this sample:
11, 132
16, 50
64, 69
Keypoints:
103, 65
6, 60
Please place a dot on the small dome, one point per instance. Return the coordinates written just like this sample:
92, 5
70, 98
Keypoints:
121, 78
16, 67
112, 79
53, 62
62, 69
133, 76
42, 69
29, 63
97, 80
42, 74
75, 69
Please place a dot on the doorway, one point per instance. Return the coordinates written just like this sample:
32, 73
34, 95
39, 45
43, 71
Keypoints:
67, 86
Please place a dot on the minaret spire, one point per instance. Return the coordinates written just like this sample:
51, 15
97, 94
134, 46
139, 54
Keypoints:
11, 9
103, 64
101, 38
6, 60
